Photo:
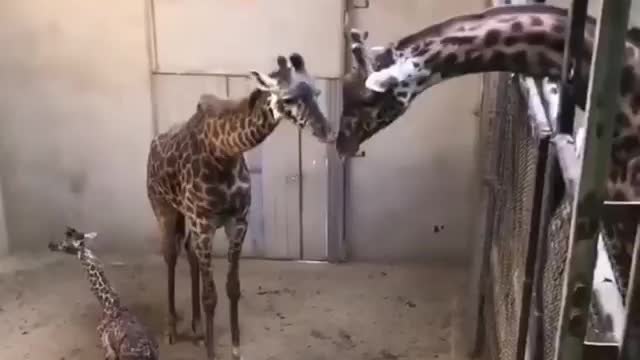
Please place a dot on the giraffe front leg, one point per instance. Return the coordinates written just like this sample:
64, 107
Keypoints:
202, 247
168, 227
196, 317
110, 353
236, 231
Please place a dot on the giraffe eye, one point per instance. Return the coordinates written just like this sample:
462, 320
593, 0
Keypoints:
289, 101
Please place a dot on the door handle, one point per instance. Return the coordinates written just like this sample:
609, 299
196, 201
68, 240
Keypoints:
291, 179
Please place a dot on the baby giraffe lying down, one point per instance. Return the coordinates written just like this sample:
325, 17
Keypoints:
123, 336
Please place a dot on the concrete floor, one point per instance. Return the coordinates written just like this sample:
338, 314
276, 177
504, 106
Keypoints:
288, 310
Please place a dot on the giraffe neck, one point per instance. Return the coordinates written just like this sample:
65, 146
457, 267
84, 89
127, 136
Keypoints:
525, 39
100, 286
242, 126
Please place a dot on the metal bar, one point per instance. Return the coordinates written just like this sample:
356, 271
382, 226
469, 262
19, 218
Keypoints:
573, 46
568, 160
630, 347
535, 107
600, 351
532, 249
552, 195
602, 105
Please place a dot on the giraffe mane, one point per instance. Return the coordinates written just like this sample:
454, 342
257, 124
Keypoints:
440, 28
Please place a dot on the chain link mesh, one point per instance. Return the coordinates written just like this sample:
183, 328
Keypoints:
510, 153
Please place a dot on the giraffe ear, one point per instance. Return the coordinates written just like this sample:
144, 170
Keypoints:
264, 81
91, 235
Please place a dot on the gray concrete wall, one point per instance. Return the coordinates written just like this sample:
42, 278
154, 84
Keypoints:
4, 237
76, 120
234, 36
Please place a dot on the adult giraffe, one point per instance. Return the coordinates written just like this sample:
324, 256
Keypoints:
525, 39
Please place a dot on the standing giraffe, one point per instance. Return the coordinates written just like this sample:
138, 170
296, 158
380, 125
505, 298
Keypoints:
198, 181
525, 39
122, 335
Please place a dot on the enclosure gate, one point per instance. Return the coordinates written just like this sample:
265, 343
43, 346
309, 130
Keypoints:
528, 226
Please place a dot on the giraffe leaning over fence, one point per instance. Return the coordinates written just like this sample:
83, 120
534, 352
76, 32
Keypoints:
524, 39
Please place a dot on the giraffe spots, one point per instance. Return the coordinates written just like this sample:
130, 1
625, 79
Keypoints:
196, 186
558, 28
422, 81
625, 148
421, 52
416, 65
402, 94
510, 40
635, 104
517, 27
449, 60
244, 176
458, 40
196, 167
546, 63
498, 60
214, 192
618, 195
519, 60
404, 83
622, 120
202, 212
172, 160
473, 61
557, 44
208, 176
215, 132
627, 81
536, 21
432, 58
492, 38
535, 38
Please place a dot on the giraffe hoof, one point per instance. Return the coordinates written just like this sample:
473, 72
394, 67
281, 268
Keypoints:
235, 353
170, 337
196, 328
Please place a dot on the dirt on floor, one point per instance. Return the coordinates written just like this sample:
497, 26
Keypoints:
288, 310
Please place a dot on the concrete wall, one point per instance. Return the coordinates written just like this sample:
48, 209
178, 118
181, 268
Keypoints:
76, 120
4, 237
413, 196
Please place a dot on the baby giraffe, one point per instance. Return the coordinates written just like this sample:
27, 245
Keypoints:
123, 336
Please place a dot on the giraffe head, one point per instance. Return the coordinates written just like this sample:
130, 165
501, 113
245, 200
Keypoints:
294, 96
73, 242
365, 111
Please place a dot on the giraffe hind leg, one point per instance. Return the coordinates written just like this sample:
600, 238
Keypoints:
236, 230
201, 243
172, 230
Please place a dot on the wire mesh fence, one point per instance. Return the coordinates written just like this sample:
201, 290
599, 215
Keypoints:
510, 158
510, 154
